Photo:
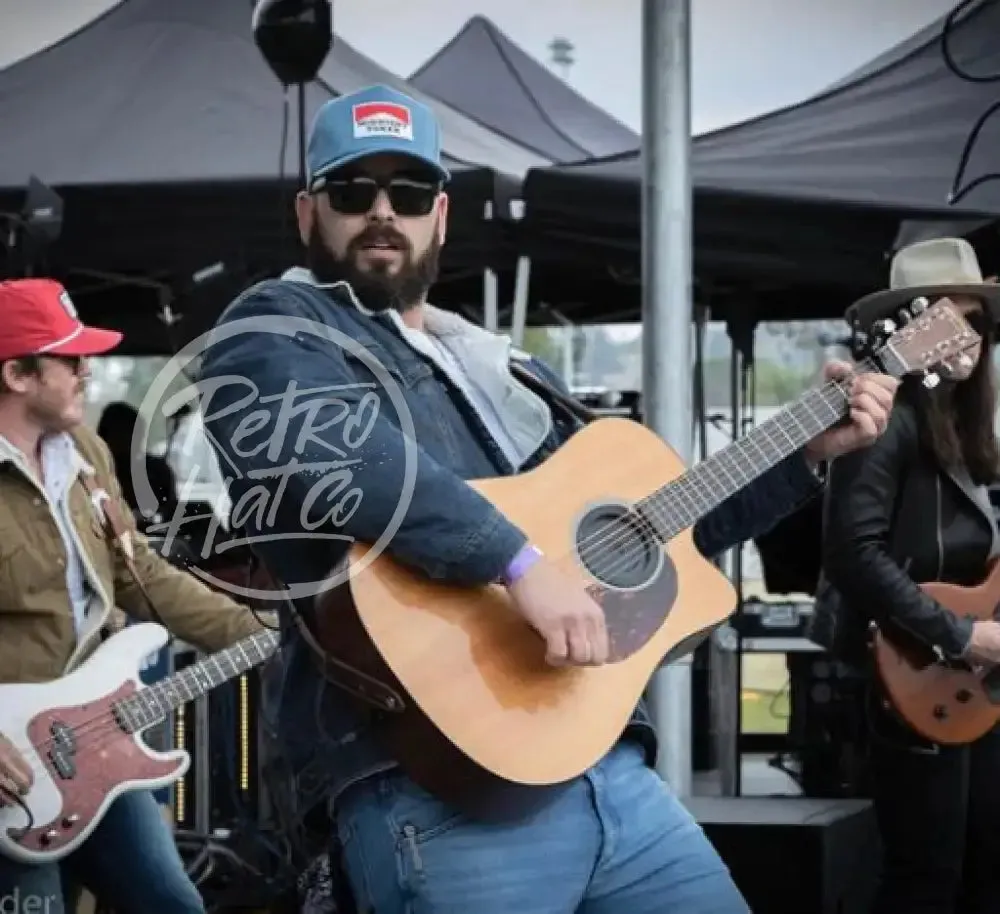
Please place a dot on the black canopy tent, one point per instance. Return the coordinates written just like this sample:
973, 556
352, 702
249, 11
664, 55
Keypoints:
487, 77
490, 79
790, 259
797, 209
162, 127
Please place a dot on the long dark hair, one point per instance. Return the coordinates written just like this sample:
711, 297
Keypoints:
956, 419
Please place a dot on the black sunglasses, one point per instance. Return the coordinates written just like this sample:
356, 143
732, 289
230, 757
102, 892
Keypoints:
356, 196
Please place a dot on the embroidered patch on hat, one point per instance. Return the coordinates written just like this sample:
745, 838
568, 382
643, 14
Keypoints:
68, 305
382, 120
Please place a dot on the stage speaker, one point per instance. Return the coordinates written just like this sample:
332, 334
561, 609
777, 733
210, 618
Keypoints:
790, 855
828, 726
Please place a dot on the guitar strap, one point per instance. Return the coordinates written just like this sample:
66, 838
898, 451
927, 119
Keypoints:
548, 392
118, 535
362, 686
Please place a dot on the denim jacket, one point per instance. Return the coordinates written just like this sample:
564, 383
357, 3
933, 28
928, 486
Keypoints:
353, 373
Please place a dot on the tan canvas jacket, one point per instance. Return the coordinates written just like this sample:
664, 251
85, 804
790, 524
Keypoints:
38, 641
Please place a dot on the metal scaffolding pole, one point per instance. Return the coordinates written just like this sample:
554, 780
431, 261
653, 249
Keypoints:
667, 307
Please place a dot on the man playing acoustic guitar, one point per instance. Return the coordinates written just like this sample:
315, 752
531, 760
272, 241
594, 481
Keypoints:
61, 580
373, 218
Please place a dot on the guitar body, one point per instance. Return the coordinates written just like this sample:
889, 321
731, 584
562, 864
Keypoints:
105, 761
486, 721
946, 702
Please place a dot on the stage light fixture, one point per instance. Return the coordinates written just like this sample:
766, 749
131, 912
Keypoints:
42, 213
294, 37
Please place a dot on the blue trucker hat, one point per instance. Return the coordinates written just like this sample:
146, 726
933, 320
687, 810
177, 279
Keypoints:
376, 119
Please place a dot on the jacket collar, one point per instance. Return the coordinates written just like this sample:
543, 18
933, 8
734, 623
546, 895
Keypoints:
59, 445
437, 321
485, 356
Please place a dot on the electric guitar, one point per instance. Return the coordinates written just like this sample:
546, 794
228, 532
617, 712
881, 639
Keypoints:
455, 682
952, 702
81, 735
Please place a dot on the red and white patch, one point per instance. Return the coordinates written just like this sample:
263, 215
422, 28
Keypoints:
382, 120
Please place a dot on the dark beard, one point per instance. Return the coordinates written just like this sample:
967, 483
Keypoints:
377, 289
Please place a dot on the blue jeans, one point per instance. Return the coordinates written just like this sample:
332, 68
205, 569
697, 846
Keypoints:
129, 862
617, 841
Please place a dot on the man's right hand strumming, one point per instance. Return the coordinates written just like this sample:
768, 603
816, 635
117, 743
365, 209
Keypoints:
16, 776
559, 608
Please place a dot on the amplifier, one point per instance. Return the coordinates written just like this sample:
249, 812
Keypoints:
768, 620
790, 855
220, 732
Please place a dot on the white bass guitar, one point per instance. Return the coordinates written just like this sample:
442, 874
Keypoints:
81, 735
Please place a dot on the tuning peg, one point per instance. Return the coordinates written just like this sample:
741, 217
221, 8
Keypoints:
919, 305
904, 317
886, 326
931, 380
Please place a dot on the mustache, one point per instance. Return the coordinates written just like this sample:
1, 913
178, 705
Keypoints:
380, 235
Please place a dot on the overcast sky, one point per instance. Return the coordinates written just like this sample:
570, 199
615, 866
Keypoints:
749, 56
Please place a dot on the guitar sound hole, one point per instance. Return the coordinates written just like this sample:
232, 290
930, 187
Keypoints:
617, 548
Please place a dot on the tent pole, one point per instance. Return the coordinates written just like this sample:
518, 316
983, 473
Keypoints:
491, 288
302, 133
519, 317
667, 307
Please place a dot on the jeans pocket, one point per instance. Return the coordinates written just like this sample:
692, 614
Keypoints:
382, 825
418, 815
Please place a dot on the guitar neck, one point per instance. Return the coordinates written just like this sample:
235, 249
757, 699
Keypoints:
685, 500
154, 703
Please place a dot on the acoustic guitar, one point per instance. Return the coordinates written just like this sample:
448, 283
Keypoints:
951, 702
455, 682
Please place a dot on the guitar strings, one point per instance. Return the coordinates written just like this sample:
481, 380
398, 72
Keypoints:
107, 715
614, 534
616, 540
104, 721
100, 724
622, 544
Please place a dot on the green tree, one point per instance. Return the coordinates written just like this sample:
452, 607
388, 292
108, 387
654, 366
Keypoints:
774, 384
544, 343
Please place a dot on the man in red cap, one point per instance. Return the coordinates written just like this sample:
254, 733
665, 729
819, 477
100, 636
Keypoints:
42, 347
61, 584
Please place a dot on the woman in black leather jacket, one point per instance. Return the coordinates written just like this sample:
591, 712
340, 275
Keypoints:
914, 508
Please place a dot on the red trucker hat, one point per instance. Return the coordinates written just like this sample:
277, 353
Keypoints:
37, 317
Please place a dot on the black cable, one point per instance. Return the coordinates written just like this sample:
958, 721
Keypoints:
959, 191
15, 799
302, 142
283, 151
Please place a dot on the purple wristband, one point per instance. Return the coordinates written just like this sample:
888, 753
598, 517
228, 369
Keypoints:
521, 564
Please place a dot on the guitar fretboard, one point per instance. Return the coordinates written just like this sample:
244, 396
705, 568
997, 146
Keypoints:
153, 704
685, 500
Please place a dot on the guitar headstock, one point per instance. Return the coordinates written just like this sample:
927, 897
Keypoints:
932, 338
